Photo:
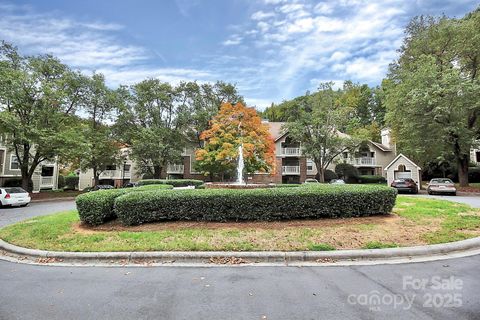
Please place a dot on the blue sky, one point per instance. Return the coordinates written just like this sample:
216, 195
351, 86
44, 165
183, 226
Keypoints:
271, 49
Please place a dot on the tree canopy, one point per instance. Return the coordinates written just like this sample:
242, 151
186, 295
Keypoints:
433, 90
235, 125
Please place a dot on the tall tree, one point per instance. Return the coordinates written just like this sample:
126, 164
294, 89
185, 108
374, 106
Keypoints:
38, 96
152, 123
316, 128
201, 102
236, 125
433, 90
101, 147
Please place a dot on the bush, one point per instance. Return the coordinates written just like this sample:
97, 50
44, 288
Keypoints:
287, 185
372, 179
71, 182
474, 174
330, 175
173, 182
347, 172
61, 182
310, 201
17, 182
97, 207
202, 186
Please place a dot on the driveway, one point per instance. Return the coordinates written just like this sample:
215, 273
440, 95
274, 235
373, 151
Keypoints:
15, 214
445, 289
473, 201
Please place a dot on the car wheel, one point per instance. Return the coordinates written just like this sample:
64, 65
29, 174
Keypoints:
430, 192
454, 194
24, 205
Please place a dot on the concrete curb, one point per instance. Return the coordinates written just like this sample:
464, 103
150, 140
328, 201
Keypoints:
291, 257
53, 199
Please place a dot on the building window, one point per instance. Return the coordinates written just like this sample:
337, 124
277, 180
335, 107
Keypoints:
14, 164
111, 167
126, 167
477, 156
345, 155
309, 165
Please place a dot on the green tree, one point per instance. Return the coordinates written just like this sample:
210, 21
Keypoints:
100, 148
433, 90
152, 122
316, 128
38, 98
200, 103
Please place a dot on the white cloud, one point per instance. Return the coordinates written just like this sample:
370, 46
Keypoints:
260, 15
233, 40
323, 8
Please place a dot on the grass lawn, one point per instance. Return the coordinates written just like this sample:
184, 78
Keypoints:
415, 221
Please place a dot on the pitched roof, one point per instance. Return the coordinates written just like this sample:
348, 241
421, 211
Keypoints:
380, 146
276, 130
405, 157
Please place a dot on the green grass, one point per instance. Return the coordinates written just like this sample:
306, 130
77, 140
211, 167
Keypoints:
452, 222
321, 247
379, 245
455, 218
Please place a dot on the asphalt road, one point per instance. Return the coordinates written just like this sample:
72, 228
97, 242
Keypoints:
431, 290
473, 201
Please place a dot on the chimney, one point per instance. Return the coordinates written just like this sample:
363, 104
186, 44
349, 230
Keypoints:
386, 138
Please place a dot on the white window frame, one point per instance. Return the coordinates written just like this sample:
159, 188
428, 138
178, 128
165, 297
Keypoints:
11, 161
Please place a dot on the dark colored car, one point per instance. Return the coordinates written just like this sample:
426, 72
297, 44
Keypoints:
130, 185
405, 185
441, 186
102, 187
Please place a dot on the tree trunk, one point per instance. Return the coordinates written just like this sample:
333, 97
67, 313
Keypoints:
463, 171
26, 183
96, 177
320, 172
157, 172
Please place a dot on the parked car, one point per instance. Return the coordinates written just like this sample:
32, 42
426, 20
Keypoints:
14, 196
405, 185
309, 180
102, 187
130, 185
337, 181
441, 186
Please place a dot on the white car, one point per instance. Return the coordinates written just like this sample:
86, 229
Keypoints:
14, 196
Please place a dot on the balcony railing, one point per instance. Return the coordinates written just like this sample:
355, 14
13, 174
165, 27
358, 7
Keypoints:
363, 161
293, 152
286, 170
46, 182
175, 168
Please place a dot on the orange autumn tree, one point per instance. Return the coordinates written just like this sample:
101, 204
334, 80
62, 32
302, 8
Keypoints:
236, 125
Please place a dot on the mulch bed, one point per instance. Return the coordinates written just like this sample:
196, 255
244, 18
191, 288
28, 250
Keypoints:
54, 195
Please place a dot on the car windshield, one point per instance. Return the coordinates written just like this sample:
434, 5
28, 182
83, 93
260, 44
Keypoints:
15, 190
445, 181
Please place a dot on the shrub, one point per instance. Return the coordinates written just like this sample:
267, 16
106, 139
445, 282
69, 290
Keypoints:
347, 172
330, 175
152, 187
474, 174
173, 182
71, 182
17, 182
314, 201
371, 179
61, 182
287, 185
202, 186
97, 207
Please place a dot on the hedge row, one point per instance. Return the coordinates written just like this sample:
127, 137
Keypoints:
173, 182
316, 201
371, 179
97, 207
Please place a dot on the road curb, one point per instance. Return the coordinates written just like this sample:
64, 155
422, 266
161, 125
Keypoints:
53, 200
24, 254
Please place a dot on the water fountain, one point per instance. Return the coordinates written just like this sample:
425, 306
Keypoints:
240, 166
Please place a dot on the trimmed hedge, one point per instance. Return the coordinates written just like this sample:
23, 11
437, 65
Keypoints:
97, 207
329, 175
315, 201
173, 182
372, 179
71, 182
347, 172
